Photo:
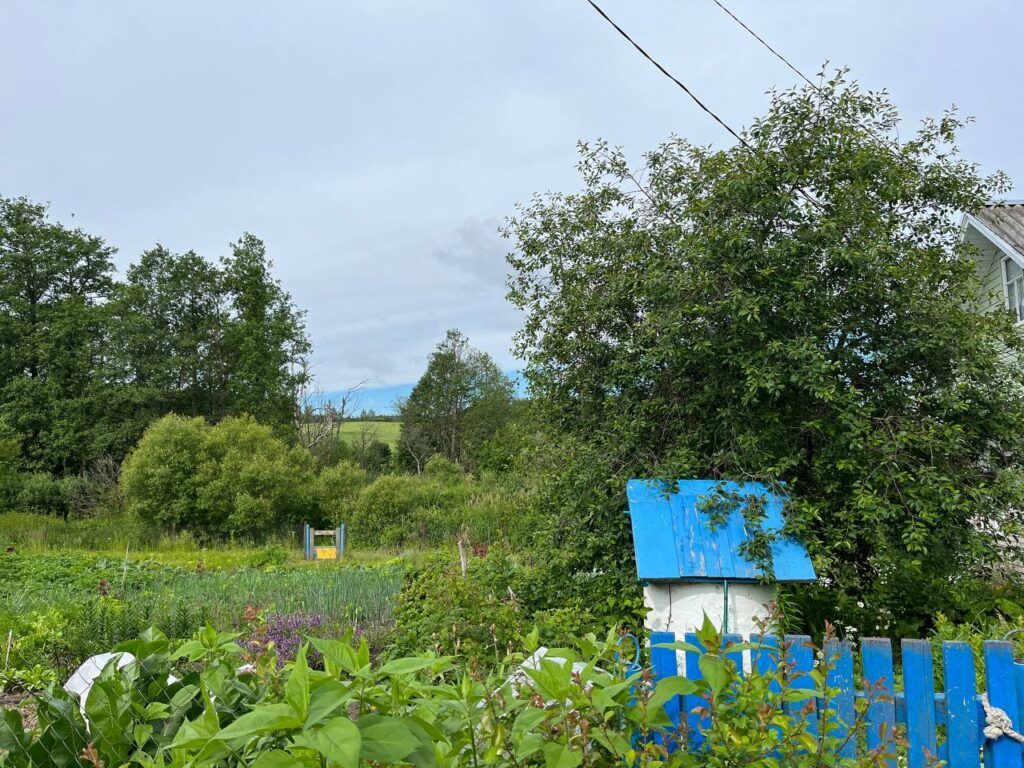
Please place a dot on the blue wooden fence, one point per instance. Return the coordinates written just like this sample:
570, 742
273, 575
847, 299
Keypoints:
946, 724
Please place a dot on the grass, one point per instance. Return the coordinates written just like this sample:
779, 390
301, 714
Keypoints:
385, 431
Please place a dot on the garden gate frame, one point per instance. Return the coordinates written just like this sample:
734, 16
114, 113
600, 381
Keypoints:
329, 552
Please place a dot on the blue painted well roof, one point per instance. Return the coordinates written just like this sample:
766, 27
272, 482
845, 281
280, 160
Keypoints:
675, 540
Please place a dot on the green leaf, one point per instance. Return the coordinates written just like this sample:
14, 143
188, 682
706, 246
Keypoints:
386, 739
338, 654
12, 734
529, 719
141, 734
669, 687
325, 700
411, 664
561, 756
528, 744
679, 645
277, 758
198, 732
266, 718
339, 740
296, 689
715, 670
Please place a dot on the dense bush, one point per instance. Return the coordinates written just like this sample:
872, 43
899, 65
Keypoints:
40, 493
435, 507
484, 613
235, 477
337, 490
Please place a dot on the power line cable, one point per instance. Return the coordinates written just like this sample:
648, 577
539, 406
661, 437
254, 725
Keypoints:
668, 74
764, 42
689, 93
888, 144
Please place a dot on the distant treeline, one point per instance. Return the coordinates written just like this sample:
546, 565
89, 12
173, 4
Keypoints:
87, 361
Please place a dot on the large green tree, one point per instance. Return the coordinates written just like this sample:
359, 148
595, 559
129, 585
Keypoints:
265, 341
796, 308
458, 404
167, 323
86, 363
53, 283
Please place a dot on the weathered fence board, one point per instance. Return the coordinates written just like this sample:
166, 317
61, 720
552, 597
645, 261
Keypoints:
876, 656
1000, 682
946, 724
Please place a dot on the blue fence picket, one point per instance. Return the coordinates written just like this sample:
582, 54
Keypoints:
692, 701
839, 676
800, 659
961, 706
663, 664
920, 692
1001, 688
1018, 676
764, 658
876, 655
940, 726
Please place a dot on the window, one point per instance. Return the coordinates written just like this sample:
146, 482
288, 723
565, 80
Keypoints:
1013, 276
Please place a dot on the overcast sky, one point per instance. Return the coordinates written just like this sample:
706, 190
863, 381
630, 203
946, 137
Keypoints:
376, 146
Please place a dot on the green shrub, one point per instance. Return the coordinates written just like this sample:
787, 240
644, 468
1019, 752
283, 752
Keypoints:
387, 503
480, 615
41, 493
337, 489
234, 478
269, 557
434, 508
160, 478
440, 468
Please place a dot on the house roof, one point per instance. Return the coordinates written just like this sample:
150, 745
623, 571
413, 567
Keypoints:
1005, 220
675, 540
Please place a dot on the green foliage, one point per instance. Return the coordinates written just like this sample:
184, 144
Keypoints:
61, 608
337, 489
40, 493
431, 509
797, 308
251, 482
442, 469
485, 613
160, 478
53, 282
86, 363
189, 704
458, 404
265, 339
46, 533
235, 477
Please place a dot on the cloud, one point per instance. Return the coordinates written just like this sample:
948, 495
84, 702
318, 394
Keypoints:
376, 147
477, 249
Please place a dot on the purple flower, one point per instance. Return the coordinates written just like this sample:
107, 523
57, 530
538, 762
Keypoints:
286, 632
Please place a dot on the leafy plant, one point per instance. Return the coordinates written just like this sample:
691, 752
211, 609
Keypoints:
190, 705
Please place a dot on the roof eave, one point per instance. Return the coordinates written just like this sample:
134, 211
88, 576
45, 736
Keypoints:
996, 240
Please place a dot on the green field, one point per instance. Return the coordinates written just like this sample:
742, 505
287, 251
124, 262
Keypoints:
385, 431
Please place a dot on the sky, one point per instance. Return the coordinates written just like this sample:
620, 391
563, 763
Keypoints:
376, 147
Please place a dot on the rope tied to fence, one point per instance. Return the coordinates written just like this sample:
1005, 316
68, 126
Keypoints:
998, 723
